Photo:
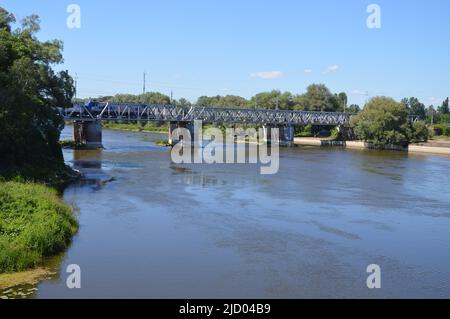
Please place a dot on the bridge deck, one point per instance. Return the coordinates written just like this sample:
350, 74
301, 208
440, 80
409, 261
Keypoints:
170, 113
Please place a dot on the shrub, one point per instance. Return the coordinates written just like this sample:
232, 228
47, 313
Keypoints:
34, 224
385, 121
442, 129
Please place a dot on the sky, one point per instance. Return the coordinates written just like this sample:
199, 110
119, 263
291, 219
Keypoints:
194, 48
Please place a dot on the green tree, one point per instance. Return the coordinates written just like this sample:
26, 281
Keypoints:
317, 98
342, 99
354, 108
228, 101
30, 91
154, 98
183, 103
125, 98
206, 101
385, 121
146, 98
415, 107
273, 100
232, 101
444, 108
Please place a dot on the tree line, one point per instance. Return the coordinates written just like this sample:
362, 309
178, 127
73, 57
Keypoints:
316, 98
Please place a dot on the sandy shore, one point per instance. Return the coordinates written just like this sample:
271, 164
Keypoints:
432, 147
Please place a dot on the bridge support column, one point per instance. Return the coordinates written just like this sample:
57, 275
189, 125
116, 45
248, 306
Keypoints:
88, 133
190, 126
285, 135
267, 129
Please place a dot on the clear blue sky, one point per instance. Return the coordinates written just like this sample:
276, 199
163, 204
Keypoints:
222, 47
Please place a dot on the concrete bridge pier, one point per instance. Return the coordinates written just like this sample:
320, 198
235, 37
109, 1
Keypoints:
88, 134
267, 131
174, 139
285, 135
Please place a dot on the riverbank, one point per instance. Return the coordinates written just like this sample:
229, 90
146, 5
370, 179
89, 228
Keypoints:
34, 224
431, 147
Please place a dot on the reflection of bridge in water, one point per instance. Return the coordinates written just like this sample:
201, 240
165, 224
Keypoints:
88, 118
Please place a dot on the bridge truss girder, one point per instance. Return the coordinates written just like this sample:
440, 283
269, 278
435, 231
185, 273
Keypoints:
170, 113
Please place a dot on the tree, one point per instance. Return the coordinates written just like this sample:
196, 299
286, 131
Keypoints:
228, 101
125, 98
354, 108
206, 101
273, 100
30, 91
317, 98
444, 109
183, 103
232, 101
342, 99
147, 98
385, 121
415, 107
154, 98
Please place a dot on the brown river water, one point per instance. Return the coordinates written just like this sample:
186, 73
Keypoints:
153, 229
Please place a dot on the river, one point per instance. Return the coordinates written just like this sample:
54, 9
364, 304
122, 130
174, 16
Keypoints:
153, 229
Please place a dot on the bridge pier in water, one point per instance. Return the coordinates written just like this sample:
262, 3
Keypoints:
285, 134
88, 133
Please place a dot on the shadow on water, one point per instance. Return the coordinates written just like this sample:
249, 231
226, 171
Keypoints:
94, 168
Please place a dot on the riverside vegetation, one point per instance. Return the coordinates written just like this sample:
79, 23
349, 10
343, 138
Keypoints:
34, 222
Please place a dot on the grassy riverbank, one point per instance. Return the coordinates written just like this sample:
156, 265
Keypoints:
34, 224
137, 127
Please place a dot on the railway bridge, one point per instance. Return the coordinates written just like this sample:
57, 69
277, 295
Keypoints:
88, 118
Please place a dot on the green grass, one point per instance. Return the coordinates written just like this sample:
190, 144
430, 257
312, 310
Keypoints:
164, 143
34, 224
137, 127
442, 138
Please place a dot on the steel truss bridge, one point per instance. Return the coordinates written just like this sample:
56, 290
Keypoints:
171, 113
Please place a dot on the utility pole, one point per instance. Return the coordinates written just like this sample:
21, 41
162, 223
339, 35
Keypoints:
277, 103
144, 89
171, 97
76, 85
432, 115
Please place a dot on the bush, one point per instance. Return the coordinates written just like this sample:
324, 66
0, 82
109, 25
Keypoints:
442, 129
386, 122
420, 132
335, 134
305, 131
34, 224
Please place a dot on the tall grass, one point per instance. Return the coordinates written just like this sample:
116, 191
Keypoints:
34, 223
